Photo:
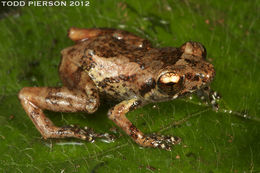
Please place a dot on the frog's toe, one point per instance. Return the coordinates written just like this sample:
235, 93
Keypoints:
86, 134
172, 140
91, 135
214, 100
108, 138
164, 142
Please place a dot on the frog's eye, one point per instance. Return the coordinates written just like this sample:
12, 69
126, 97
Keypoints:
194, 48
170, 82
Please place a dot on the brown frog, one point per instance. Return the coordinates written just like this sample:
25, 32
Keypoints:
116, 65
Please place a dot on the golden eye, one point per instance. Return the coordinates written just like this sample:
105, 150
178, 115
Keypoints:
170, 83
169, 78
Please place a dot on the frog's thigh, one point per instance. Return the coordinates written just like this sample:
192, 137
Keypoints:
36, 99
79, 34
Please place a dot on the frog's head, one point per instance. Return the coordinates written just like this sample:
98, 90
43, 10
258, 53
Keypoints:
190, 73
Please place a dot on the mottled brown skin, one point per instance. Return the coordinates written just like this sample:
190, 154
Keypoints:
119, 66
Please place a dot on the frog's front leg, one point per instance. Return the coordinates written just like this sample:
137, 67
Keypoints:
117, 114
36, 99
81, 34
210, 96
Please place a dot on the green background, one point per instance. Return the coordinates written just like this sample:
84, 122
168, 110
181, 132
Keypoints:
31, 39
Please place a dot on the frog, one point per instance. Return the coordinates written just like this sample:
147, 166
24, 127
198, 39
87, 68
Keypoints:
116, 66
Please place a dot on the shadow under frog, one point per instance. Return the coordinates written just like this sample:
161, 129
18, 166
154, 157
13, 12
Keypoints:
116, 65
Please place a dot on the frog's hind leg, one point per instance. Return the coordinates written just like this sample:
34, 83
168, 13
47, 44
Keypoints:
81, 34
36, 99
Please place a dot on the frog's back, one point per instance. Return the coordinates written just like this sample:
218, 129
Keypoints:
97, 51
81, 54
117, 69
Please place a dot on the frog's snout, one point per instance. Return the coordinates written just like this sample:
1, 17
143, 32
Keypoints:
210, 73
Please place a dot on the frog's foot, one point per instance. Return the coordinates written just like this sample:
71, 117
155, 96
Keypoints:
214, 99
77, 132
161, 141
210, 97
105, 137
88, 134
